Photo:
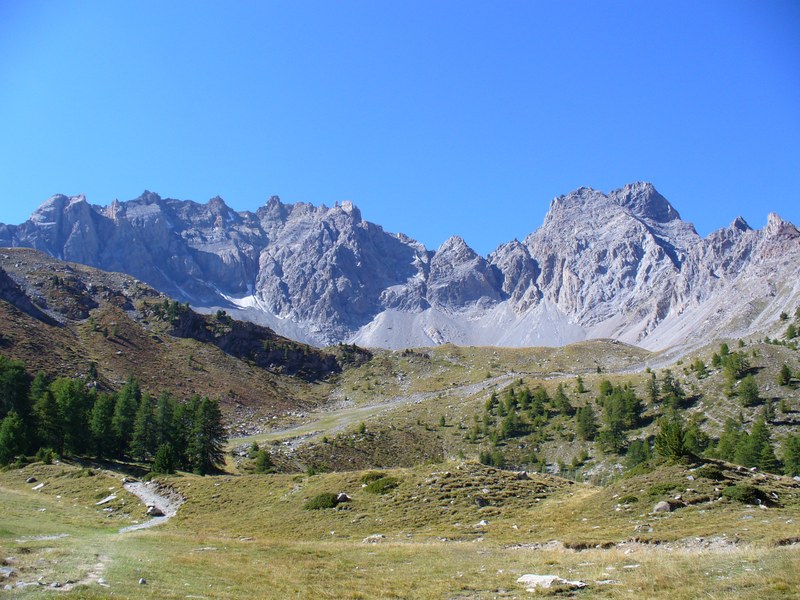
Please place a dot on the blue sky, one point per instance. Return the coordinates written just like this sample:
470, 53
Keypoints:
435, 118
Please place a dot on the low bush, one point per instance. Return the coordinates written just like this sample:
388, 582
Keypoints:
320, 501
746, 494
382, 485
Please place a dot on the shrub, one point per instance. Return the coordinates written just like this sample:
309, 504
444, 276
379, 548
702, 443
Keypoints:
371, 476
628, 499
746, 494
46, 455
382, 485
320, 501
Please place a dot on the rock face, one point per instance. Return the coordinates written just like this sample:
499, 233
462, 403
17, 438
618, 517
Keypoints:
621, 265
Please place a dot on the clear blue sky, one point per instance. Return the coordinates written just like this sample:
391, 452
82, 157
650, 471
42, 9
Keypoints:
435, 118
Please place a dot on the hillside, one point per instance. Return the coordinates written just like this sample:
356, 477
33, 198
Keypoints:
70, 320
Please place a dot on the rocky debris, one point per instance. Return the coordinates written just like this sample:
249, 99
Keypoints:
373, 539
662, 506
533, 583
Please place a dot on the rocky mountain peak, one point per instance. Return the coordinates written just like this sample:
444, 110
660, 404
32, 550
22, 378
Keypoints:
740, 224
645, 202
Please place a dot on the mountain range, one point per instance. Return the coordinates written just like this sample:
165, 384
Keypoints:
621, 265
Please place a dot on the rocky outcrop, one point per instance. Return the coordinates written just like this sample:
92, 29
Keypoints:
621, 265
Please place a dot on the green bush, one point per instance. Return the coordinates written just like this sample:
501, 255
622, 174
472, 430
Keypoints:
325, 500
746, 494
371, 476
711, 471
628, 499
382, 485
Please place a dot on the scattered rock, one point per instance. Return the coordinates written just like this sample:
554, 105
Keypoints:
662, 506
532, 582
30, 480
7, 572
373, 539
154, 511
483, 523
142, 581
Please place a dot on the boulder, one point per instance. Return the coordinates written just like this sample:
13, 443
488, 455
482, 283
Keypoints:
662, 506
154, 511
343, 497
534, 582
30, 480
523, 476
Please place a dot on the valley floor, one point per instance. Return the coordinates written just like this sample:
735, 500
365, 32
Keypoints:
249, 537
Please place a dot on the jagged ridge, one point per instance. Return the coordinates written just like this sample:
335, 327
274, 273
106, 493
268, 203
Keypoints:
621, 265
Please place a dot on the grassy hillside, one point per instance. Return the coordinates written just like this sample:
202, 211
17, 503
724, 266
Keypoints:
250, 536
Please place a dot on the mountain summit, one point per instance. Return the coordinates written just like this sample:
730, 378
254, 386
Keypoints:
622, 265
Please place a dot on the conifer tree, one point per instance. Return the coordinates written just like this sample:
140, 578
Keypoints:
125, 408
101, 426
791, 455
12, 437
143, 440
207, 438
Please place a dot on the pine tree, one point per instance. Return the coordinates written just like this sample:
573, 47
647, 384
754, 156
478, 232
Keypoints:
165, 420
729, 440
767, 461
750, 447
101, 426
791, 455
653, 389
669, 441
207, 438
74, 402
586, 423
785, 375
143, 440
49, 423
164, 460
561, 402
12, 437
125, 408
263, 462
638, 452
748, 391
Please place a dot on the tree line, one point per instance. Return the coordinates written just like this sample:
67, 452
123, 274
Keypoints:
68, 417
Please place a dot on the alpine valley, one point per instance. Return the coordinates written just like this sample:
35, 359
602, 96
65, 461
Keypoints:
621, 265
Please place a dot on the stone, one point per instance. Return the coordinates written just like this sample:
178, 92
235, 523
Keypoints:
662, 506
154, 511
142, 581
373, 539
38, 486
343, 497
481, 501
522, 476
533, 583
30, 480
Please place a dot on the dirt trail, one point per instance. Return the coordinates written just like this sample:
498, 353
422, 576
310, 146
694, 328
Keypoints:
151, 494
330, 421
